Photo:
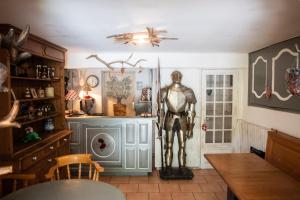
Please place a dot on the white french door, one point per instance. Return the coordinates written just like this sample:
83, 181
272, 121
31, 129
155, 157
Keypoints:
218, 112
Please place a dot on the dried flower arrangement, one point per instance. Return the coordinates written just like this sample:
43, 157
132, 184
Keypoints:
119, 89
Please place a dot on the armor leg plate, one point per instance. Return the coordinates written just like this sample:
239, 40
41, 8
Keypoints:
181, 135
169, 150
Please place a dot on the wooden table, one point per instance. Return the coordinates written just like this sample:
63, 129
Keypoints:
68, 190
250, 177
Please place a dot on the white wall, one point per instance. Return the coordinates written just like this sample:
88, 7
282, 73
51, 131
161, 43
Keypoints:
77, 59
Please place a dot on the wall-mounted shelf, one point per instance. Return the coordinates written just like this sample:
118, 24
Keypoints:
36, 99
37, 119
34, 79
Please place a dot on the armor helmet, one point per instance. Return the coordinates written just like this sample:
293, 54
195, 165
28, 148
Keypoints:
176, 77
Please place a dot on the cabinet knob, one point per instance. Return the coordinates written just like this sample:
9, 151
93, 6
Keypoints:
51, 147
34, 158
50, 160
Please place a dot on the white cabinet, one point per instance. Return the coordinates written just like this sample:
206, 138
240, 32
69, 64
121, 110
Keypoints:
121, 145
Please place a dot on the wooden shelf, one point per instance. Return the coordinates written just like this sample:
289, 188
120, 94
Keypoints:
36, 99
34, 79
12, 148
36, 119
20, 147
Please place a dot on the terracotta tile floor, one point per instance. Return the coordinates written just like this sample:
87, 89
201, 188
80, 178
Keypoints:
206, 185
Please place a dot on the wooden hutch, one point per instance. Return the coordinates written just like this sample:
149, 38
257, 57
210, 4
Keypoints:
36, 156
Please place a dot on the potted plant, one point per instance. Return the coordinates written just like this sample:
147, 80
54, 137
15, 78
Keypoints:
119, 89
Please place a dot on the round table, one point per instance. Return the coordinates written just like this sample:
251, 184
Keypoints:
74, 189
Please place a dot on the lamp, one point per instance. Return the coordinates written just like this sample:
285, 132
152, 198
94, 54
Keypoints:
151, 36
84, 93
72, 95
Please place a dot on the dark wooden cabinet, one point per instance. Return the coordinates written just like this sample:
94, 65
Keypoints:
34, 157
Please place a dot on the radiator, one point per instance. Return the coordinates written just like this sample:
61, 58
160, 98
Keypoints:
247, 134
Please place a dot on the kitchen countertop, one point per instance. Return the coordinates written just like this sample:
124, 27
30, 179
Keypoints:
107, 117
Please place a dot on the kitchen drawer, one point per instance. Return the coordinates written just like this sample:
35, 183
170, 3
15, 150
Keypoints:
36, 156
63, 150
42, 167
65, 140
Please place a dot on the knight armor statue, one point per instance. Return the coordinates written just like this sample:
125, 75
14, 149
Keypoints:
179, 118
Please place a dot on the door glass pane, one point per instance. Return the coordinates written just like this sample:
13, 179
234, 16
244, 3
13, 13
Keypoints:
209, 109
227, 136
219, 81
218, 137
210, 81
209, 95
209, 137
210, 122
219, 109
219, 94
228, 80
228, 95
228, 109
227, 122
219, 123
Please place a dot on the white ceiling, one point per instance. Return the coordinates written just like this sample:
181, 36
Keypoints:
201, 25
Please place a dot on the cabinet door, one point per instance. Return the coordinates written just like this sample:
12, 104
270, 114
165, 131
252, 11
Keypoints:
75, 128
144, 158
130, 138
104, 143
144, 146
130, 157
144, 133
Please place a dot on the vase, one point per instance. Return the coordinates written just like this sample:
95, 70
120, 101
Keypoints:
49, 125
119, 109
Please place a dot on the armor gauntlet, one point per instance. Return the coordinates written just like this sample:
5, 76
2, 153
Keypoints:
191, 120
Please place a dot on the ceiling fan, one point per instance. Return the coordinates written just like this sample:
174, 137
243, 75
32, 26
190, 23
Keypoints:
151, 36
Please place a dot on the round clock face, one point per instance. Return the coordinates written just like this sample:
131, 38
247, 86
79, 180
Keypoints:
92, 81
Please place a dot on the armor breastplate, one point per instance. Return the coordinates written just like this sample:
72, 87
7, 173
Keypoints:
176, 101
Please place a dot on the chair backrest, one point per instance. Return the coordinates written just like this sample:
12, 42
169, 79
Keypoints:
283, 151
75, 159
18, 181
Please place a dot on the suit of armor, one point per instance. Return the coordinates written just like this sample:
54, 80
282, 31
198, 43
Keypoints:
179, 118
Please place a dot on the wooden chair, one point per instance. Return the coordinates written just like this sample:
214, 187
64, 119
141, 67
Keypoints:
18, 181
74, 159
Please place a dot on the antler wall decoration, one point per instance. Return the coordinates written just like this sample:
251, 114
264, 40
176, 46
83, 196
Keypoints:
110, 66
12, 44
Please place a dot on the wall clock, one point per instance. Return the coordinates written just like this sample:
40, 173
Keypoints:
92, 81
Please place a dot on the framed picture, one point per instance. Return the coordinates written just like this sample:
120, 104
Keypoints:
33, 93
274, 77
117, 84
